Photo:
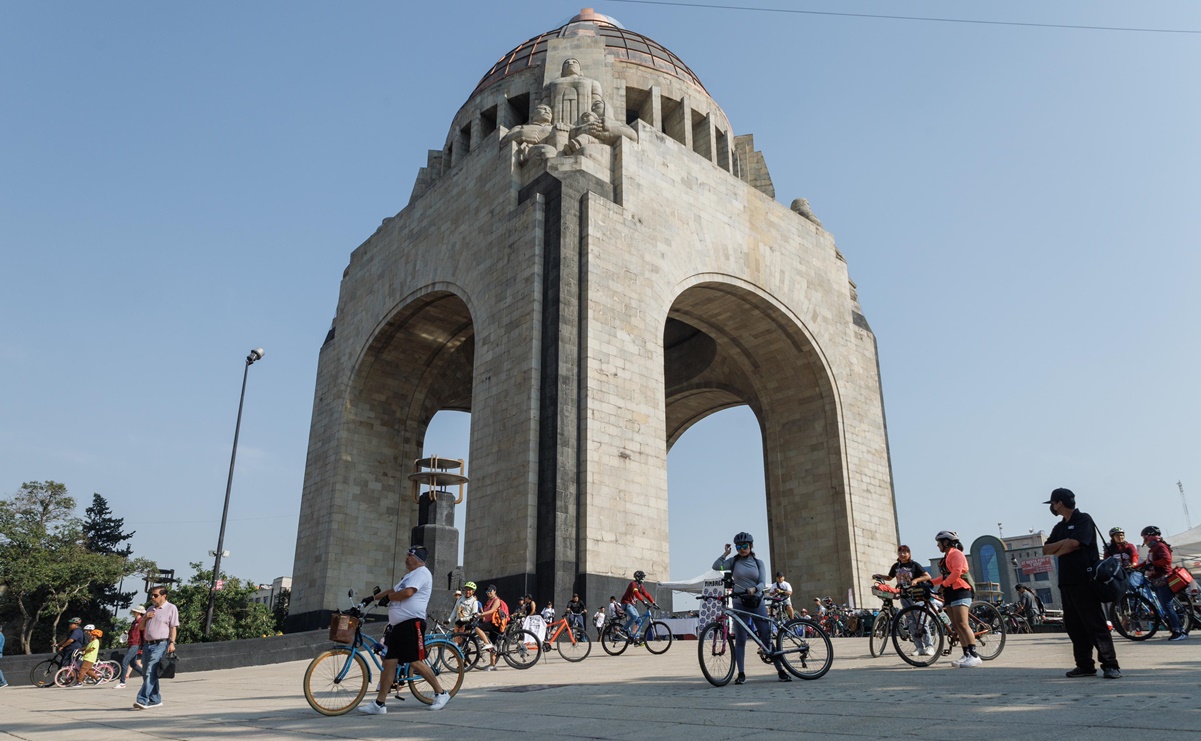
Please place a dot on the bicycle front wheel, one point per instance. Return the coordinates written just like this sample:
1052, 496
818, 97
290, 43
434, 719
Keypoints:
42, 673
921, 643
804, 649
613, 643
877, 642
469, 644
1134, 617
657, 636
330, 694
445, 660
715, 651
573, 650
521, 649
989, 628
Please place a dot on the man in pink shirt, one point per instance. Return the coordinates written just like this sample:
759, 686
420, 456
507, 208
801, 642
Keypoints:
159, 627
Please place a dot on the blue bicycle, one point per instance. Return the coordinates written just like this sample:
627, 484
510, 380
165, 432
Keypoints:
654, 634
337, 680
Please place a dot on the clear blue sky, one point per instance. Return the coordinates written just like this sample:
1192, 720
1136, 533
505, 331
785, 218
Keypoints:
181, 183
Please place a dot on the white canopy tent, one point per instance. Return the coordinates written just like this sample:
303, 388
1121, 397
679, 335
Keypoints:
694, 585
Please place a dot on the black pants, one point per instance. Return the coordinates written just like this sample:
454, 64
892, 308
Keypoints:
1084, 621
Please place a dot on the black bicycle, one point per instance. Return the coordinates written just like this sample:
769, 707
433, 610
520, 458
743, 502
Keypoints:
801, 645
42, 674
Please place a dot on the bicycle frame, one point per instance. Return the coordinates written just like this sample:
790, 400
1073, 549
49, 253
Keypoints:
731, 613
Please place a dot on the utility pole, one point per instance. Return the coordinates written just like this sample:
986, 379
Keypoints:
1188, 523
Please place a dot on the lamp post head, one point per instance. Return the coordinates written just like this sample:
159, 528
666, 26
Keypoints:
255, 354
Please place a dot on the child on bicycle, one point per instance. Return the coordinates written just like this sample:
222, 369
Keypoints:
90, 653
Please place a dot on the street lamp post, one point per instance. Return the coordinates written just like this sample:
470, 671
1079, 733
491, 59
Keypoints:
255, 354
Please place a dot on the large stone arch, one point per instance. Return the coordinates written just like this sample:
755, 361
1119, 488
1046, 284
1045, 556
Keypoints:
727, 343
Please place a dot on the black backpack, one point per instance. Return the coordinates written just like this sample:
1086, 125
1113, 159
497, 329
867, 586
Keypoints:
1109, 578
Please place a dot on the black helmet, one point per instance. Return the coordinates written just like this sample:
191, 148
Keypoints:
1151, 530
1116, 531
744, 537
639, 575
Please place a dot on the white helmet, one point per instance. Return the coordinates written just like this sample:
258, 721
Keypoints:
89, 628
946, 535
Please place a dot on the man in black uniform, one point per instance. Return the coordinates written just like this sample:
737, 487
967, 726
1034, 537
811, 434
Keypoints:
1074, 542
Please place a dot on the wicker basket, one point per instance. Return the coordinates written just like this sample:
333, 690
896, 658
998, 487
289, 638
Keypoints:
342, 628
885, 592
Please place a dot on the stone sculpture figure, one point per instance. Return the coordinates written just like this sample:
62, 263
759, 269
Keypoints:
801, 207
534, 138
572, 95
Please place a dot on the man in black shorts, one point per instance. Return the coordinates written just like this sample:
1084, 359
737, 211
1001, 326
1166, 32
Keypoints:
407, 604
1074, 542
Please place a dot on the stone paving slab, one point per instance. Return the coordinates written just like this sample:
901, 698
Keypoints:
1021, 695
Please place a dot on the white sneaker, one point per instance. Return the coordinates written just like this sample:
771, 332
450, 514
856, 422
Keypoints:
958, 662
489, 647
440, 700
967, 662
372, 708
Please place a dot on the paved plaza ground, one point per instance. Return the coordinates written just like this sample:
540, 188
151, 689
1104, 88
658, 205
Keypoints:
1023, 694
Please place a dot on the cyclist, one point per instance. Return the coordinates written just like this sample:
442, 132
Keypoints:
957, 594
635, 592
75, 640
90, 654
909, 573
781, 588
750, 579
548, 612
1158, 568
1032, 606
466, 608
576, 612
493, 617
1118, 546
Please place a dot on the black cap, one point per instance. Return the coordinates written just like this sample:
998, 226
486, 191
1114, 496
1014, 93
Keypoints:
1067, 496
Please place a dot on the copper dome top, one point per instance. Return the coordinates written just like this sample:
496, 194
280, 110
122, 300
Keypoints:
620, 43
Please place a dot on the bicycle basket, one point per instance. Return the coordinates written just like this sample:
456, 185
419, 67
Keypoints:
342, 628
886, 591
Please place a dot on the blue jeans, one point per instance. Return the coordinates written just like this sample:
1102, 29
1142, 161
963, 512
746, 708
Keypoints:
3, 681
575, 621
631, 616
921, 633
1169, 610
131, 655
151, 656
762, 627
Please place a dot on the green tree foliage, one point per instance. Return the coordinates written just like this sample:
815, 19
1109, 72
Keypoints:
103, 533
283, 601
45, 564
235, 613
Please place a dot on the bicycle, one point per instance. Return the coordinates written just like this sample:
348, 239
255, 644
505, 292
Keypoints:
42, 674
519, 647
1015, 621
68, 676
877, 641
1137, 615
802, 647
336, 680
927, 616
467, 641
654, 634
571, 641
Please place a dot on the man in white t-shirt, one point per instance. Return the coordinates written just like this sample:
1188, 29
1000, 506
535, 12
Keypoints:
783, 589
407, 604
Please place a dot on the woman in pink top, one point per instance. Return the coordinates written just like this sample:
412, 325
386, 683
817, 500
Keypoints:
957, 594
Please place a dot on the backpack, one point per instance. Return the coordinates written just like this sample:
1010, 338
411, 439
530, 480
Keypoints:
1109, 577
500, 618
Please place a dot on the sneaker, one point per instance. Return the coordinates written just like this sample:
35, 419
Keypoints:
956, 662
969, 662
489, 647
440, 701
158, 704
784, 677
740, 679
490, 669
120, 685
138, 706
1113, 673
1078, 672
373, 708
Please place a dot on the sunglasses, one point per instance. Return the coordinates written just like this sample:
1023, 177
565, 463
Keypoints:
741, 546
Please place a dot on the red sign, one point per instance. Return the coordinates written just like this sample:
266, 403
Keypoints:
220, 585
1037, 565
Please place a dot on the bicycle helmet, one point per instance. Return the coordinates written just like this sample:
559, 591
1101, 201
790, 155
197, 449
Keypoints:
1151, 530
1116, 531
89, 628
744, 537
947, 535
639, 575
469, 585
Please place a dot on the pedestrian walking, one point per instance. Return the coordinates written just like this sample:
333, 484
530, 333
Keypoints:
160, 625
599, 621
3, 681
133, 647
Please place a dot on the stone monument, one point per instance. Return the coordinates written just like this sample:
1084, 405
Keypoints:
592, 263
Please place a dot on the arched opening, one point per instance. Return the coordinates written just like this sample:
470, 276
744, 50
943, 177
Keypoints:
419, 362
725, 346
700, 484
449, 435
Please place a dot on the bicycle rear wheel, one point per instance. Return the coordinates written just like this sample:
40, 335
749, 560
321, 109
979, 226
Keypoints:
325, 692
521, 649
1134, 617
108, 670
576, 650
1184, 610
989, 627
805, 649
657, 636
446, 661
877, 642
613, 643
66, 677
923, 633
43, 673
715, 651
469, 644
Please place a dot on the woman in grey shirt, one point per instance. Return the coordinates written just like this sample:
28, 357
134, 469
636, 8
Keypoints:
750, 579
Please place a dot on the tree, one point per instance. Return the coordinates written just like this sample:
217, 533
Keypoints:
44, 563
102, 533
283, 601
235, 613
